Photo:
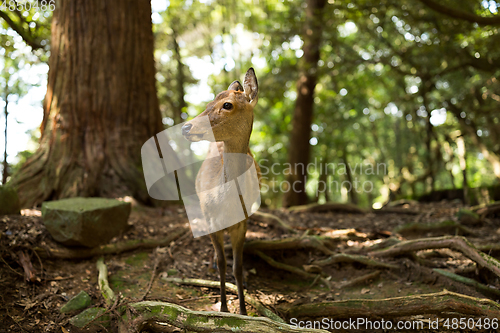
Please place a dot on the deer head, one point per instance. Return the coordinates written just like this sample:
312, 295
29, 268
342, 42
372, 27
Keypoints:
230, 115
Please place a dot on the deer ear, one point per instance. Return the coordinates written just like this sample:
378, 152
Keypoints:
251, 87
236, 85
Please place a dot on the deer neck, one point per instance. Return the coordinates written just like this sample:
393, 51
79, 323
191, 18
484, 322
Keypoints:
234, 157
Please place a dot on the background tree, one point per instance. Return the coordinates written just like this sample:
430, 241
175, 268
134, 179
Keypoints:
100, 106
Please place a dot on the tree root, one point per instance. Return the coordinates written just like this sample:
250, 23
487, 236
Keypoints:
485, 210
67, 253
441, 303
107, 293
359, 280
261, 309
343, 257
456, 243
200, 321
274, 220
414, 228
485, 290
396, 210
315, 242
327, 207
291, 269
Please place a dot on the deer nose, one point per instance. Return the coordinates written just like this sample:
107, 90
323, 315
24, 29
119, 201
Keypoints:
186, 128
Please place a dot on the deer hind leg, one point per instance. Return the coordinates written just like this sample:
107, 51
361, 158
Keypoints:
237, 235
217, 239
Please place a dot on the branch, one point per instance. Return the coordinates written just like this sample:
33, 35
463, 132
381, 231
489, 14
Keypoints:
231, 287
24, 34
466, 16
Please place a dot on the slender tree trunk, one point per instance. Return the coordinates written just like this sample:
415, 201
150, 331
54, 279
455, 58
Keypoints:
463, 166
5, 171
100, 106
299, 148
353, 196
180, 79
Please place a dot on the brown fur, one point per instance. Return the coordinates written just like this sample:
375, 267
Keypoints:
231, 129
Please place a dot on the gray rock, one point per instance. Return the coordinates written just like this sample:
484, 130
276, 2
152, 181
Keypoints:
86, 222
79, 302
9, 201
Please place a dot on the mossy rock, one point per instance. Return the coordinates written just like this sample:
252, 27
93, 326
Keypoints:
86, 222
79, 302
467, 217
82, 319
9, 201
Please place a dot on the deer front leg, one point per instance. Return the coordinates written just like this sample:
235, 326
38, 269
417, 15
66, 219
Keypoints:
217, 239
238, 240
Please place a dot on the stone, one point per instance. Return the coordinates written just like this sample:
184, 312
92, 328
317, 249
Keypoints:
79, 302
9, 201
86, 222
467, 217
82, 319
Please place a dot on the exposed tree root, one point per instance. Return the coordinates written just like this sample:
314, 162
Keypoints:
441, 303
485, 290
274, 220
396, 210
107, 293
314, 242
359, 280
456, 243
291, 269
444, 226
83, 253
342, 257
200, 321
327, 207
485, 210
261, 309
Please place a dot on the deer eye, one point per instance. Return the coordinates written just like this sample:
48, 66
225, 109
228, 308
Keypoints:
227, 106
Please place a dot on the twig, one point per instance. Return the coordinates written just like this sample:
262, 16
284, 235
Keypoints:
12, 269
360, 280
153, 274
231, 287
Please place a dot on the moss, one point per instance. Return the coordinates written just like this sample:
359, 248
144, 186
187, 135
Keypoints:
10, 201
138, 259
88, 315
230, 321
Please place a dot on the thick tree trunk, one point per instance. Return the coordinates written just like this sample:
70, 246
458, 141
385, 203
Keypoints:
100, 106
299, 148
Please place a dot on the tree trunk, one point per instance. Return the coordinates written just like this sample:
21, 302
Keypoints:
5, 171
299, 148
100, 106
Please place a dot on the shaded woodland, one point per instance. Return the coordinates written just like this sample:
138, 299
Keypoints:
376, 132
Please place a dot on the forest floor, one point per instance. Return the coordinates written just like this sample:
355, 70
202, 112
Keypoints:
34, 306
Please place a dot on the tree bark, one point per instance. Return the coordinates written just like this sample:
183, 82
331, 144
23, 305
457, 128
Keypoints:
299, 149
100, 106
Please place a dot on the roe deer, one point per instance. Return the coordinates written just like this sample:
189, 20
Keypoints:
231, 120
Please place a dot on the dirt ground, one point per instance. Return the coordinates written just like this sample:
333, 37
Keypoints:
34, 306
